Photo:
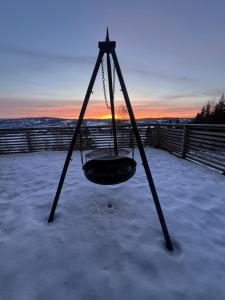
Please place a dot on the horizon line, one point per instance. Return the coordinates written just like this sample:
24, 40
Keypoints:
94, 118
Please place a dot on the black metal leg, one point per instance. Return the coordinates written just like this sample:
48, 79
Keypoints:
142, 153
76, 132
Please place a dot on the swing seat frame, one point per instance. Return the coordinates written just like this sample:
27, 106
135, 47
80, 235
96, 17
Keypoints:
110, 171
106, 153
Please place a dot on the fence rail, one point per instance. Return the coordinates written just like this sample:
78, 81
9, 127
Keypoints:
201, 143
58, 138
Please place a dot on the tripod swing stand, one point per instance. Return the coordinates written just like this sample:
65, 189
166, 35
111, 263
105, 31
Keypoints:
112, 167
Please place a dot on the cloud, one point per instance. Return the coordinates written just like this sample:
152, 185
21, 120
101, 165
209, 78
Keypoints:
14, 107
176, 96
163, 76
215, 92
33, 54
29, 69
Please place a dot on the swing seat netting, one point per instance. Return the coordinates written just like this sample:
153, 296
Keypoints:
104, 167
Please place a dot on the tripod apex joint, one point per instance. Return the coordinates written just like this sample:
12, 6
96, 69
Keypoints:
107, 46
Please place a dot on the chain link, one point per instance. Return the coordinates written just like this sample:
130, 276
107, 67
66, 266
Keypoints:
114, 79
103, 83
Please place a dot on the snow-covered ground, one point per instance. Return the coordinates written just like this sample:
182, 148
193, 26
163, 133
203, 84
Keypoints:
92, 251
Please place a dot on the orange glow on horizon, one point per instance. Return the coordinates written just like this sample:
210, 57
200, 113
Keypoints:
108, 116
99, 111
69, 115
140, 113
66, 113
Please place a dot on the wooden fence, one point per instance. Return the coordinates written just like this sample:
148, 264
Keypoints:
59, 138
201, 143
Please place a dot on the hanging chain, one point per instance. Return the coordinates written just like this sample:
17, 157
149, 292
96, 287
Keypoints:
103, 83
104, 88
114, 80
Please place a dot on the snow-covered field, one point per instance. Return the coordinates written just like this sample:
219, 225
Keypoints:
92, 251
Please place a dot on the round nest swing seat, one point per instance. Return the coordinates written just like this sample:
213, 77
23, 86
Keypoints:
109, 169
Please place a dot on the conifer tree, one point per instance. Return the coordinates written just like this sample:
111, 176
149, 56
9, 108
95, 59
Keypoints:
210, 114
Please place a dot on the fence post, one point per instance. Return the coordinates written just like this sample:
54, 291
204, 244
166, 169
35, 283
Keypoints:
148, 137
184, 141
28, 141
156, 136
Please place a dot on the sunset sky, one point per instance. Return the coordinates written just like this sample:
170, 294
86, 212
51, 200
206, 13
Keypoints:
171, 52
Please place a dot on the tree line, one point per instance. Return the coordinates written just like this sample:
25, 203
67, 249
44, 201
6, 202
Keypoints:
212, 114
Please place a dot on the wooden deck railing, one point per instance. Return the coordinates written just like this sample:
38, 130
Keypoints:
201, 143
58, 138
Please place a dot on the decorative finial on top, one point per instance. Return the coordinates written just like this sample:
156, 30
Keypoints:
107, 35
107, 45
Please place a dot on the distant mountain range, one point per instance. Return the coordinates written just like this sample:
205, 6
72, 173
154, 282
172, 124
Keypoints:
58, 122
